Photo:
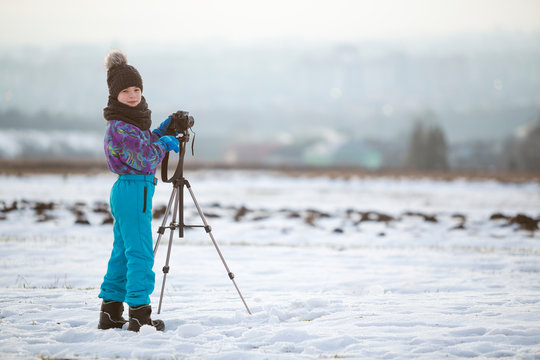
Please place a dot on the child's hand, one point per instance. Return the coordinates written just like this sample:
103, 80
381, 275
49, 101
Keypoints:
170, 143
162, 129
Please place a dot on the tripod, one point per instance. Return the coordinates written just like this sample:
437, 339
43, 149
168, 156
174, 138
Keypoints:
177, 197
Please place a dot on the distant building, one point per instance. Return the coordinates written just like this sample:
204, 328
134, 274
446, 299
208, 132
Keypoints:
248, 153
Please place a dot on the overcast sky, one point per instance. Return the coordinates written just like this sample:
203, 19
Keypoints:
54, 22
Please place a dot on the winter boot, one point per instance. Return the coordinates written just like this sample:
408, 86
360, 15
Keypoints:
140, 315
111, 315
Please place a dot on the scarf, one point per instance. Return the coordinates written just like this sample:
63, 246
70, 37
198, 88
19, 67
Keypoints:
140, 115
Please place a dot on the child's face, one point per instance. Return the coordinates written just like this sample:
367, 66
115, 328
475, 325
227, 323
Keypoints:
130, 96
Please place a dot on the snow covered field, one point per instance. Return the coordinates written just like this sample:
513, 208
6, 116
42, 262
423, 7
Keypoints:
357, 269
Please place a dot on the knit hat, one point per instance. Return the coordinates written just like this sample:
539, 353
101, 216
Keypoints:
120, 75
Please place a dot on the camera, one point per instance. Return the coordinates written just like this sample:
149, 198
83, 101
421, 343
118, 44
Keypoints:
181, 121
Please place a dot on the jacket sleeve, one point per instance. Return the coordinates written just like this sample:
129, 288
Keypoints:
132, 149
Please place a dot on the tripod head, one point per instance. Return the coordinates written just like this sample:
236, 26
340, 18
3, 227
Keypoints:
180, 124
183, 139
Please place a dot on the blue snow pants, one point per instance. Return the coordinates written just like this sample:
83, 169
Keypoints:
129, 275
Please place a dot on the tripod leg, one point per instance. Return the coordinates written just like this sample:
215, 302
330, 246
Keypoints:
209, 231
165, 217
166, 267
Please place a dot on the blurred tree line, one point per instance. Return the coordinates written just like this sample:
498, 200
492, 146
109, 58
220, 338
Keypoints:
425, 148
522, 153
428, 149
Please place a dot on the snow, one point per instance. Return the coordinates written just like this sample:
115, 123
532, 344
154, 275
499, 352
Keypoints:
319, 282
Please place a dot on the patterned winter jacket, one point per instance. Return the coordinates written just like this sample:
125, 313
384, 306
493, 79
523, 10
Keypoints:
129, 150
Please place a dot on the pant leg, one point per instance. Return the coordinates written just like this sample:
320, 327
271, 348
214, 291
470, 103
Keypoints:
114, 282
134, 208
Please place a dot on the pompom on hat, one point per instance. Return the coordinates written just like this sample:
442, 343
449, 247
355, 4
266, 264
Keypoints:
120, 75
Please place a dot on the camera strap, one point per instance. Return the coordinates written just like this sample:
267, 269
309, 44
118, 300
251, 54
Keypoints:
178, 173
193, 143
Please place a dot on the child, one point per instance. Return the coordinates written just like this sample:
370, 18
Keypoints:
133, 152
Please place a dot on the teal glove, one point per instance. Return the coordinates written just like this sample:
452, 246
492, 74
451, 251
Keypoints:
162, 129
170, 143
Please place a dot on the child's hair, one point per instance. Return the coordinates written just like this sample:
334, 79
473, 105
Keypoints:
120, 75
